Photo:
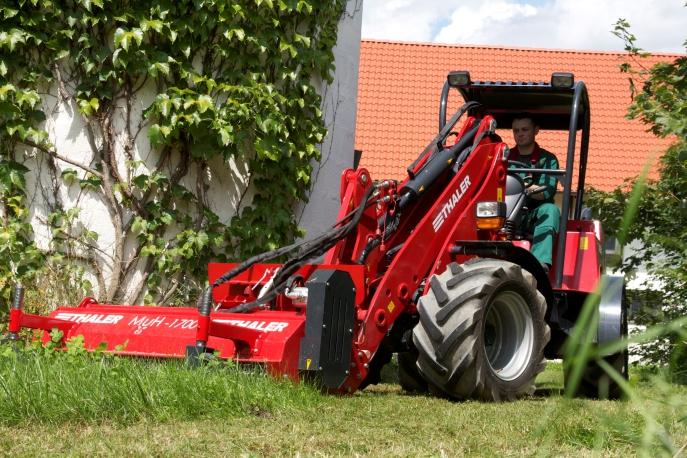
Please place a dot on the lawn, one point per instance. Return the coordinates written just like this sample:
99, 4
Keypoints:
84, 405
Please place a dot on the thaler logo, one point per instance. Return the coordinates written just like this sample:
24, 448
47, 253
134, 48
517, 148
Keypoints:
264, 326
450, 204
95, 318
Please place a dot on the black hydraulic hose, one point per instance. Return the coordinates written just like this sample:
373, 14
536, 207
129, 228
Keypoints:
375, 242
262, 257
433, 169
309, 251
443, 133
314, 250
369, 246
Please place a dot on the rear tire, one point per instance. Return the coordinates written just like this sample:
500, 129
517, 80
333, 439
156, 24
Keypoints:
595, 382
482, 331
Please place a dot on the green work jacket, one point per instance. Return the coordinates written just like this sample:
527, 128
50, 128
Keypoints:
539, 159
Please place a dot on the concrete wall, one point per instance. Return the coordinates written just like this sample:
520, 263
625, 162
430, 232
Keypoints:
339, 105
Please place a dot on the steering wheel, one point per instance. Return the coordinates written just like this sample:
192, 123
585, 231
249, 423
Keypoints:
527, 180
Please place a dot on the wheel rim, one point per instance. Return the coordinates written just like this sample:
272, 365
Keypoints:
508, 335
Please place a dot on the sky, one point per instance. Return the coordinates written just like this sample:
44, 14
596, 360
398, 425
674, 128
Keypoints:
659, 25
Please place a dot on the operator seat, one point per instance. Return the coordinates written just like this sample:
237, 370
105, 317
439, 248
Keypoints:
515, 199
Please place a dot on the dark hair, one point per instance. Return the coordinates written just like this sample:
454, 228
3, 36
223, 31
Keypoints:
526, 115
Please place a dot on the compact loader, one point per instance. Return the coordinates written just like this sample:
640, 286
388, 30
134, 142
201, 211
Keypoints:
433, 268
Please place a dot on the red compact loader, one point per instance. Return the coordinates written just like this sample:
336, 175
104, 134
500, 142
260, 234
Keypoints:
432, 268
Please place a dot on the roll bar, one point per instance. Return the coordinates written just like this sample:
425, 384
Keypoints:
556, 108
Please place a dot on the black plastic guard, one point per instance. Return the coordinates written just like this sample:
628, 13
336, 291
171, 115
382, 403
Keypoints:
326, 347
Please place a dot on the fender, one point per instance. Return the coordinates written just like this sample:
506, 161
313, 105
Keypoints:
509, 252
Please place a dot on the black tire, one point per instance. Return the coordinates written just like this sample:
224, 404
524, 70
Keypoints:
409, 377
482, 331
595, 382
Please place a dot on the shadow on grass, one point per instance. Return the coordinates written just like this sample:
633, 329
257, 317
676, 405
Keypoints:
548, 391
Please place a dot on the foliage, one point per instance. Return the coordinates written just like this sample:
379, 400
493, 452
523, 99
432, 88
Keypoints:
660, 101
233, 86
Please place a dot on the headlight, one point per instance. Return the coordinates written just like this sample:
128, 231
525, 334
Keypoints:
490, 215
459, 78
562, 80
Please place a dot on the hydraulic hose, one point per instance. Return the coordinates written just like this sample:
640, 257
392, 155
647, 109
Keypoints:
308, 251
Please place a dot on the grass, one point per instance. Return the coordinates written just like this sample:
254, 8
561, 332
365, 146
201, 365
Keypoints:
75, 404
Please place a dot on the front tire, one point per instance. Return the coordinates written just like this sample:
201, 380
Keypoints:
409, 377
482, 331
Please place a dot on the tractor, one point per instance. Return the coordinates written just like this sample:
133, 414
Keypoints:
432, 268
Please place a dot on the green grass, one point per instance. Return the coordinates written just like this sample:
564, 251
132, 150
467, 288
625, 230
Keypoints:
52, 388
96, 405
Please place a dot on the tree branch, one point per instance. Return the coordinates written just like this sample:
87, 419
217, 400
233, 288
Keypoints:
54, 154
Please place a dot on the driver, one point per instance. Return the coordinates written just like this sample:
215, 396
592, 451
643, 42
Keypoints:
543, 216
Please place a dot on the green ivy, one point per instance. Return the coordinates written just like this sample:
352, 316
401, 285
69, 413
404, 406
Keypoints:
232, 81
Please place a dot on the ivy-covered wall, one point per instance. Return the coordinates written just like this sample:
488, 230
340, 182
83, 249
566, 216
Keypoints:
139, 142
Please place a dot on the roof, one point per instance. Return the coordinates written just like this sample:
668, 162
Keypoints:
400, 84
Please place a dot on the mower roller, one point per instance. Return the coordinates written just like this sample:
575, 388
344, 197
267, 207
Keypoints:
432, 268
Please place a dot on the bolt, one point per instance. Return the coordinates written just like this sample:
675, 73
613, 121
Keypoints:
327, 283
319, 368
324, 326
366, 366
359, 376
348, 372
350, 331
352, 364
363, 178
360, 354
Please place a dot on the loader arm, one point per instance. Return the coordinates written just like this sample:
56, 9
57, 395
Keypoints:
429, 226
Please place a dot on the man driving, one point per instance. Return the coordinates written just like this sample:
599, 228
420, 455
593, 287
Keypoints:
543, 216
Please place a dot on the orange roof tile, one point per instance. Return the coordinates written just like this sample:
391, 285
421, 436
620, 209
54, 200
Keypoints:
398, 103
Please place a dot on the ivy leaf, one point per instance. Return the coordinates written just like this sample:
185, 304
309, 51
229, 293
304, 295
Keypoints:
226, 135
154, 24
139, 225
12, 38
161, 67
204, 103
91, 183
149, 250
88, 107
155, 135
69, 176
121, 39
116, 60
138, 36
238, 33
303, 39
